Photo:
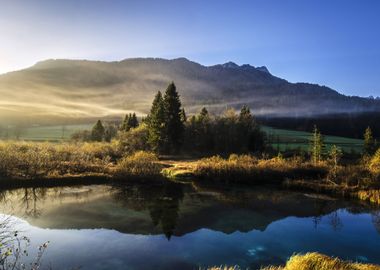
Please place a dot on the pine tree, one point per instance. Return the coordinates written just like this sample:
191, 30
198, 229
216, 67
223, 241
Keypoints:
183, 116
174, 126
133, 121
249, 132
317, 146
124, 125
97, 132
369, 142
156, 123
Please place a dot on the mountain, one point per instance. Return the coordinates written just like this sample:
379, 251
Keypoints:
79, 89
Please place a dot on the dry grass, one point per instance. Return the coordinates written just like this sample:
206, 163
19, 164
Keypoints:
139, 164
24, 160
248, 169
316, 261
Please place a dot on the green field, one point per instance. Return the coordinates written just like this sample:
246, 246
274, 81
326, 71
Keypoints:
46, 133
281, 139
284, 140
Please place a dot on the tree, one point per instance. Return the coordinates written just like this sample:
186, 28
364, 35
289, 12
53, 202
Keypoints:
250, 135
156, 123
174, 126
133, 122
183, 116
130, 121
369, 142
97, 132
317, 146
335, 156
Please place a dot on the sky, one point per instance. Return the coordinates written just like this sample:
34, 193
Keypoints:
329, 42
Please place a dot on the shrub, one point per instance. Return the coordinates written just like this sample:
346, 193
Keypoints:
374, 163
139, 164
136, 139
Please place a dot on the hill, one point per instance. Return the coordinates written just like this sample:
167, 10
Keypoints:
73, 90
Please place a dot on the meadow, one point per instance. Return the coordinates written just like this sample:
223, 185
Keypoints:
287, 140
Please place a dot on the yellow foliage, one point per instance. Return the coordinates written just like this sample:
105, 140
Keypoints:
316, 261
139, 164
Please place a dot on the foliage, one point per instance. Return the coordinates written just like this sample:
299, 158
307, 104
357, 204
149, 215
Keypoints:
174, 117
316, 146
374, 163
369, 142
130, 121
229, 133
39, 160
97, 132
156, 123
248, 169
14, 249
135, 139
317, 261
139, 164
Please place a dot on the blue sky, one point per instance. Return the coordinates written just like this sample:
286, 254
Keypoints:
330, 42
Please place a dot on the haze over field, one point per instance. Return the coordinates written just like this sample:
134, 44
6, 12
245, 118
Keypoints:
76, 89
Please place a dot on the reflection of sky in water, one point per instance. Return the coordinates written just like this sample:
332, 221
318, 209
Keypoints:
355, 238
128, 226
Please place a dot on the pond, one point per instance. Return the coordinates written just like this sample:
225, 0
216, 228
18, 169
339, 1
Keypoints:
178, 226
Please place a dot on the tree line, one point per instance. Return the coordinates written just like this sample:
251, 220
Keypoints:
168, 130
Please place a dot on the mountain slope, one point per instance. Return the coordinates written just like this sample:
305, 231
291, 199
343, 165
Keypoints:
77, 89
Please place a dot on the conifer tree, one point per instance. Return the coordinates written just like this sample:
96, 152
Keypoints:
97, 132
174, 126
133, 121
317, 146
124, 125
369, 142
156, 123
183, 116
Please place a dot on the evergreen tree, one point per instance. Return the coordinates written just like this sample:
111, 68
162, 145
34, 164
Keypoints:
317, 146
174, 126
130, 121
250, 135
369, 142
97, 132
124, 125
156, 123
133, 122
183, 116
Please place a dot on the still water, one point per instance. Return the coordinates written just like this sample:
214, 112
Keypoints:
176, 226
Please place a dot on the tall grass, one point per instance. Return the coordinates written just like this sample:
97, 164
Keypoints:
140, 164
248, 169
39, 160
316, 261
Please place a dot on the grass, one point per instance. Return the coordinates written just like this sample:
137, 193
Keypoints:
293, 140
317, 261
47, 133
139, 165
247, 169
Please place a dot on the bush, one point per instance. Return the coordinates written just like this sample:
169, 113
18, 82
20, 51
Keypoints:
136, 139
374, 163
139, 164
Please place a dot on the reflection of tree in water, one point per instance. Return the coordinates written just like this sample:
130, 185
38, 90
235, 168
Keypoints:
376, 220
29, 201
162, 202
335, 221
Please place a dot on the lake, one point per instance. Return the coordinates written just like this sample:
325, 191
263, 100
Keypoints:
188, 226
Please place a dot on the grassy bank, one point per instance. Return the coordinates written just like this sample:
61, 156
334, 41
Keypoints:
24, 163
250, 170
313, 261
28, 164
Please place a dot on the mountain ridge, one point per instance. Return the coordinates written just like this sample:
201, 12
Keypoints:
73, 89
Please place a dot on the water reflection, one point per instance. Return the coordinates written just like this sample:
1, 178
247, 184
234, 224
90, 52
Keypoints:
171, 208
